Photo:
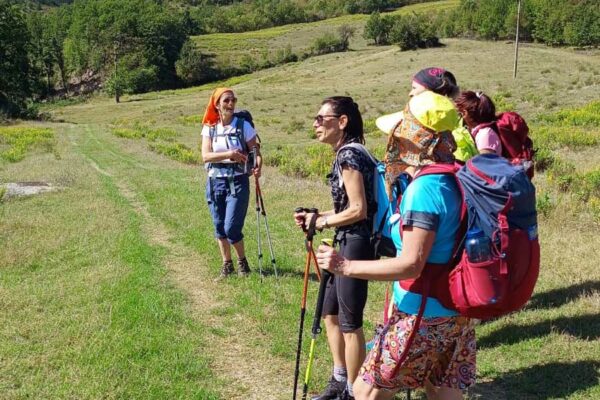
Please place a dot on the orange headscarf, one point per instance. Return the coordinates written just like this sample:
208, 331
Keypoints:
211, 115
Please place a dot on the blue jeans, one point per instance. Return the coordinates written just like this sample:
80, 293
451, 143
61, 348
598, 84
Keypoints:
228, 203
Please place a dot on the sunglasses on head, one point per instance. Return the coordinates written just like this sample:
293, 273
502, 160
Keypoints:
320, 118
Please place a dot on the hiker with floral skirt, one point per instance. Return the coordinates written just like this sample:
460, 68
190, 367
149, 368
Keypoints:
441, 358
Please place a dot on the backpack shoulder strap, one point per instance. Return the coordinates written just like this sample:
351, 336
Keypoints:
451, 169
239, 132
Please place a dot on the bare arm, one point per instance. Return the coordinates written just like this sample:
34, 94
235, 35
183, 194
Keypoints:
357, 202
416, 246
357, 205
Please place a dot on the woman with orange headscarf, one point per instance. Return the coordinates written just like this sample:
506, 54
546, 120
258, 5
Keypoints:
227, 142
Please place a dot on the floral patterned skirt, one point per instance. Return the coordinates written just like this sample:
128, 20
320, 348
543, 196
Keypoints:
443, 352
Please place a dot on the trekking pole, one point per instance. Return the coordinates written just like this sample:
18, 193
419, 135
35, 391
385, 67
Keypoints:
260, 201
258, 243
310, 233
316, 327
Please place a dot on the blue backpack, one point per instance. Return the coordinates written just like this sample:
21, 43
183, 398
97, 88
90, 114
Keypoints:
381, 238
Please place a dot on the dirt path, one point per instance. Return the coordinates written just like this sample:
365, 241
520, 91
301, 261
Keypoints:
233, 360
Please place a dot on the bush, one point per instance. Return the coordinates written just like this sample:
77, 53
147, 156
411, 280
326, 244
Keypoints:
412, 32
20, 139
345, 32
554, 137
315, 162
132, 80
328, 43
194, 67
378, 29
176, 151
127, 133
588, 115
544, 205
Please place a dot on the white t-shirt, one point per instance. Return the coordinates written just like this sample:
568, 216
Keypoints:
225, 139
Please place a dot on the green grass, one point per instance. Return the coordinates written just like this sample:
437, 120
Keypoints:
17, 141
176, 151
588, 115
548, 351
87, 313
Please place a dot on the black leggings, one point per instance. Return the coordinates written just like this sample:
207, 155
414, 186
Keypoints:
347, 297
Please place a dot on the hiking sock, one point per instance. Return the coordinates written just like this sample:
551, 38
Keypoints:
340, 374
349, 388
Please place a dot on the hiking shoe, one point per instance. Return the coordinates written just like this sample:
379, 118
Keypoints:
243, 267
332, 391
345, 395
226, 269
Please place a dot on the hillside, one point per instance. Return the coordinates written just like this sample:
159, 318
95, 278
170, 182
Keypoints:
231, 48
107, 283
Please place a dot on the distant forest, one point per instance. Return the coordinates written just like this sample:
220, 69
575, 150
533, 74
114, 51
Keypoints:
136, 46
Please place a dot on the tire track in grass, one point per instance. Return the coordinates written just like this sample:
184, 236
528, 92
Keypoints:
246, 372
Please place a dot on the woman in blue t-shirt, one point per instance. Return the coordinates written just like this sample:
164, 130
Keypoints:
441, 358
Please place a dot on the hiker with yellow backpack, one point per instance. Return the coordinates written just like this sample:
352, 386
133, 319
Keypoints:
442, 82
454, 263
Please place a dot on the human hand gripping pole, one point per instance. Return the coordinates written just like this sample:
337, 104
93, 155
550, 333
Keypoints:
309, 231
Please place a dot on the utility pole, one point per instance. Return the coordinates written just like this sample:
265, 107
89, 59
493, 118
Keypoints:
116, 49
517, 39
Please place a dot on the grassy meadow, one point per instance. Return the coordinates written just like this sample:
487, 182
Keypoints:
232, 48
107, 285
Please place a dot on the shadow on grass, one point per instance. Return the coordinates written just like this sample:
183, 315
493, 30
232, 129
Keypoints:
560, 296
541, 382
585, 327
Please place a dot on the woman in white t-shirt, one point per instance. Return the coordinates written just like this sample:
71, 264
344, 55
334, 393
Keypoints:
227, 141
479, 113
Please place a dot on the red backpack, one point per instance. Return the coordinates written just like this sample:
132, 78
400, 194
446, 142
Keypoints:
499, 199
517, 146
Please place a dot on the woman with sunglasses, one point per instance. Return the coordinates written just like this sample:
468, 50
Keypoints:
338, 124
226, 140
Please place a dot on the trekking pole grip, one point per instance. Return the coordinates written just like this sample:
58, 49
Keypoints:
307, 230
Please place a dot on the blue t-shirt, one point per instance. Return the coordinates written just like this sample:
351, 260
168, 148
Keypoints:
430, 202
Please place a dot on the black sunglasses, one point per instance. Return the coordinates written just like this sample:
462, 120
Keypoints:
320, 118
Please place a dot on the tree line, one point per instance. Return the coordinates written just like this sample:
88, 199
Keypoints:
553, 22
136, 45
210, 16
141, 45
